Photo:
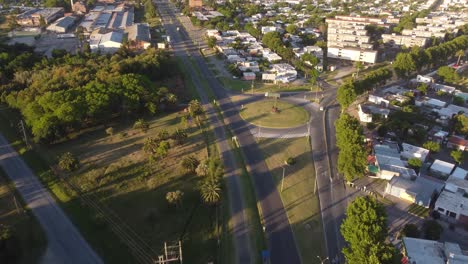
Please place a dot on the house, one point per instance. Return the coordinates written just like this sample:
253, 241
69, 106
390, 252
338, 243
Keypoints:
431, 252
442, 168
79, 8
410, 151
62, 25
421, 190
365, 115
430, 102
195, 3
443, 88
456, 142
452, 204
248, 76
424, 79
108, 42
249, 66
451, 110
389, 164
138, 36
284, 72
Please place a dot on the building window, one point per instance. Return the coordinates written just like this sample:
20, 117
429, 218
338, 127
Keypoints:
452, 214
440, 209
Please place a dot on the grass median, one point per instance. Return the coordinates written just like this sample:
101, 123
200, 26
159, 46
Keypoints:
299, 198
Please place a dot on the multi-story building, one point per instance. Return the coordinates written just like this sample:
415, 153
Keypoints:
408, 41
348, 38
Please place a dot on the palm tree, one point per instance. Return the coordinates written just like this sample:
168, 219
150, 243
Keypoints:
175, 197
459, 53
210, 192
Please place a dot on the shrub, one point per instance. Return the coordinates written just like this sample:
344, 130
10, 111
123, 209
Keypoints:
291, 161
410, 230
68, 162
415, 163
190, 163
110, 131
141, 124
175, 197
432, 230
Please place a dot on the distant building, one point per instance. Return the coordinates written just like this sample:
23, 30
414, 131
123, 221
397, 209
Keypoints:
105, 42
79, 7
348, 38
408, 41
431, 252
62, 25
139, 36
33, 17
195, 3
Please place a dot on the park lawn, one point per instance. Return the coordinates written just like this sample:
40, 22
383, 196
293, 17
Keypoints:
300, 202
236, 84
266, 87
116, 174
26, 229
418, 210
260, 113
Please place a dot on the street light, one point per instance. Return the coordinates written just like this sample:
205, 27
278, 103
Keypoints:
322, 260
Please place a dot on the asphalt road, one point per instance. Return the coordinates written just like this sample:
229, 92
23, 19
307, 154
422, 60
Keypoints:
183, 48
280, 240
65, 243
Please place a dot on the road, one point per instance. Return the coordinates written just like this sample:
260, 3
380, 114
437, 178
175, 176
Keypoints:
65, 243
280, 240
183, 49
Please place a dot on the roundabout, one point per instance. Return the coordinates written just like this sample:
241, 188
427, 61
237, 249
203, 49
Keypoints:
271, 113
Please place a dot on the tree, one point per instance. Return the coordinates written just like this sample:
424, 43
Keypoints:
150, 10
68, 162
163, 149
211, 42
410, 230
415, 163
352, 157
190, 163
404, 65
448, 74
432, 146
291, 29
459, 53
457, 155
432, 230
142, 125
210, 191
346, 95
175, 197
422, 87
179, 136
365, 230
460, 124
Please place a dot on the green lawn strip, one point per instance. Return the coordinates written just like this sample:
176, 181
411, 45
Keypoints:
260, 113
28, 234
253, 210
287, 88
418, 210
235, 84
300, 202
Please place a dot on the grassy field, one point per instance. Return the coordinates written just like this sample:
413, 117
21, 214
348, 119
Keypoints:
301, 204
260, 113
418, 210
26, 229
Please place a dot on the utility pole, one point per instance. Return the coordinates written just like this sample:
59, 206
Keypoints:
252, 86
282, 181
23, 130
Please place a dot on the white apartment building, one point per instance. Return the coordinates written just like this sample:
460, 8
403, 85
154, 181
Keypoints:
408, 41
348, 38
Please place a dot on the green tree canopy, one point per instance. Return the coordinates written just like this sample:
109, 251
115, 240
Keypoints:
365, 230
432, 146
352, 156
346, 95
404, 64
448, 74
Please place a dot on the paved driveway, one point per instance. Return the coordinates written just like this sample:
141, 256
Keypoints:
65, 243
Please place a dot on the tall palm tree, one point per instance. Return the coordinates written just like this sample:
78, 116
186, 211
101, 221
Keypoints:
210, 192
459, 53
